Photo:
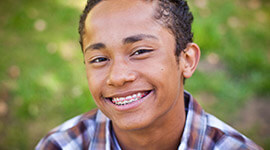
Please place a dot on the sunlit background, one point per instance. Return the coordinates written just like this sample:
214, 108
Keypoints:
43, 81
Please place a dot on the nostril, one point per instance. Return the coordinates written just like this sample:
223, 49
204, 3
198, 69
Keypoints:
121, 78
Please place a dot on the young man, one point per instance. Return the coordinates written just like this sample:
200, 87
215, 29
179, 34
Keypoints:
137, 55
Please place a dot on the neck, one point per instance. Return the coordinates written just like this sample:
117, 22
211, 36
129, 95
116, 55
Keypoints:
164, 133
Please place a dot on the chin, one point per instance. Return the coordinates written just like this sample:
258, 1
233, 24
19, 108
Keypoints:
134, 124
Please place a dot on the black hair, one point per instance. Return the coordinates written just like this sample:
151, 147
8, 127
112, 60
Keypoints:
90, 4
174, 14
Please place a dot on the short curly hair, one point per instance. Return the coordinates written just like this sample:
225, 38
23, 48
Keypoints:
173, 14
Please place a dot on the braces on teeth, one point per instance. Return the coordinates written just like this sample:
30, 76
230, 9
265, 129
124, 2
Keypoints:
128, 99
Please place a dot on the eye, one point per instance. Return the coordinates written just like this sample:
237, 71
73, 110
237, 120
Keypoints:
141, 51
98, 60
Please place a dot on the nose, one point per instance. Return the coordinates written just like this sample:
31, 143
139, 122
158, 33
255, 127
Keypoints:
120, 73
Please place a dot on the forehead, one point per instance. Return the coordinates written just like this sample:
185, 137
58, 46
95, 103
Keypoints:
108, 9
125, 16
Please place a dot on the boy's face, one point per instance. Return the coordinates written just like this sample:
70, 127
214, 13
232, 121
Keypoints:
130, 57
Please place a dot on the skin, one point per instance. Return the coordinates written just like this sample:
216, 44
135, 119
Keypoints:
126, 51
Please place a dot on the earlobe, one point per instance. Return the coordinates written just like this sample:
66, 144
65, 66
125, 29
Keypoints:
191, 57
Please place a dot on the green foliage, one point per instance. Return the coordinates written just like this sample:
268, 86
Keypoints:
42, 75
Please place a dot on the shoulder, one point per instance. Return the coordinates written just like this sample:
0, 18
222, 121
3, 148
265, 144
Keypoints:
75, 133
219, 135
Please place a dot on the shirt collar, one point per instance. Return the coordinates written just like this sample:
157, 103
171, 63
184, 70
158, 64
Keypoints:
195, 125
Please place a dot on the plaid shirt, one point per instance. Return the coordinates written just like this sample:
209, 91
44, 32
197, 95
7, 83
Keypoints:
93, 131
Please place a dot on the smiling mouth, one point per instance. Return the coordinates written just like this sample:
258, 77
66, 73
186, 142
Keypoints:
128, 99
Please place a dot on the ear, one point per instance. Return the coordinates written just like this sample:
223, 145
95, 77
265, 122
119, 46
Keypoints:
189, 59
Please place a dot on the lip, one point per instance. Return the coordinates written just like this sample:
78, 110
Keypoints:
129, 106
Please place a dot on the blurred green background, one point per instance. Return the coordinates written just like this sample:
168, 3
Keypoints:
43, 81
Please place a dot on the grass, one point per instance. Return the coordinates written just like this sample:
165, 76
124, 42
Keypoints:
43, 81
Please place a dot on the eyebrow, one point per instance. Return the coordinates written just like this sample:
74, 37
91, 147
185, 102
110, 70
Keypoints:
127, 40
138, 37
95, 46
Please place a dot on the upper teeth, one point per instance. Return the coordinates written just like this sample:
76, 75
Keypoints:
127, 99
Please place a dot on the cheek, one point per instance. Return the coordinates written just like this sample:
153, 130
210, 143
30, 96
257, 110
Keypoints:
95, 83
166, 71
169, 78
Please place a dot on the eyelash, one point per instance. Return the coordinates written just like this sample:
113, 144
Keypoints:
98, 60
141, 51
138, 52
